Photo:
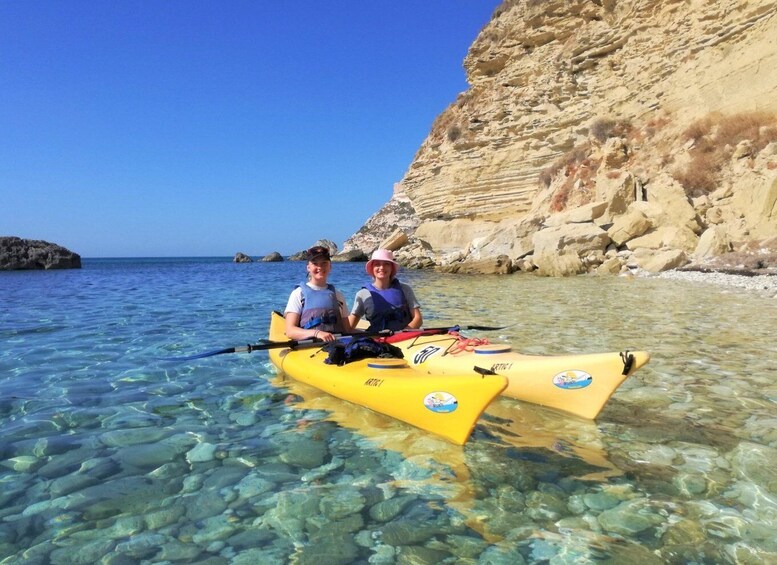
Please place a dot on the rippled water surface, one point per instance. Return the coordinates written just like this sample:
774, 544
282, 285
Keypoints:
109, 455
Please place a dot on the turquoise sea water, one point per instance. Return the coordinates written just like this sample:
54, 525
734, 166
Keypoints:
110, 455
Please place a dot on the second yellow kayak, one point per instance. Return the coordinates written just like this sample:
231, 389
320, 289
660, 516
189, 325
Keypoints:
578, 384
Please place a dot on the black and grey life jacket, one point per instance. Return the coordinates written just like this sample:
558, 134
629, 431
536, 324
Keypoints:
320, 309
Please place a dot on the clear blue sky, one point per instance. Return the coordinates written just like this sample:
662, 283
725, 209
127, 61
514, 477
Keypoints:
186, 127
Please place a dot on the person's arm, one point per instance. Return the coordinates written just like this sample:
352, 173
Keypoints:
353, 319
357, 312
293, 331
344, 312
415, 308
417, 320
293, 314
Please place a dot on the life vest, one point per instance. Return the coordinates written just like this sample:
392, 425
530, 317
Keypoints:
391, 311
320, 309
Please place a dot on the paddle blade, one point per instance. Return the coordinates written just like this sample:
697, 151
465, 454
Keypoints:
446, 329
485, 328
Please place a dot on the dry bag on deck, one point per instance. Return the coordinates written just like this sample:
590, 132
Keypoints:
359, 348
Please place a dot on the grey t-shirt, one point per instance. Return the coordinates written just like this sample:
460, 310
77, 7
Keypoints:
364, 308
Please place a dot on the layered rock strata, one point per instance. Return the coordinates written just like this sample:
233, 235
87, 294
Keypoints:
581, 142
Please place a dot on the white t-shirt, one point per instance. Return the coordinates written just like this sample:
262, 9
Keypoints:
295, 300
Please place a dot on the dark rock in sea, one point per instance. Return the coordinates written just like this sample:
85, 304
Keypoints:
242, 258
303, 255
353, 256
18, 254
273, 257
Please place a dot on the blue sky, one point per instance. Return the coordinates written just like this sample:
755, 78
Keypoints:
193, 128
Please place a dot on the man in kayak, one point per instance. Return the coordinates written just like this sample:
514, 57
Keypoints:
316, 309
387, 303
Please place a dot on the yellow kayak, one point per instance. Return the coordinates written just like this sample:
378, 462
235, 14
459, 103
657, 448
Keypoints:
578, 384
505, 422
447, 405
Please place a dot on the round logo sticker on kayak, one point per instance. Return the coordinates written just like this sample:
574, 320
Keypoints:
441, 402
572, 379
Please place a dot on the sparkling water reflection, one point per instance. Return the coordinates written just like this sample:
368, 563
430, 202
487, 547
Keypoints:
110, 455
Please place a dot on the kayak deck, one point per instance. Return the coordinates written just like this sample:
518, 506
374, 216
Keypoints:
577, 384
447, 405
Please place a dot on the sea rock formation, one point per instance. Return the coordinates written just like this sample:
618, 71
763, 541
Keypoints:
352, 256
273, 257
241, 257
302, 255
28, 254
598, 136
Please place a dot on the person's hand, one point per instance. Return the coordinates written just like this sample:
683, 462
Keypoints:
323, 336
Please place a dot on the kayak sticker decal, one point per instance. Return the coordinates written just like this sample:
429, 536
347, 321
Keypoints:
572, 379
425, 353
441, 402
373, 382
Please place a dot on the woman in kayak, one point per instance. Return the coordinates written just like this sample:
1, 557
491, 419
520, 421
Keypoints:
387, 303
315, 308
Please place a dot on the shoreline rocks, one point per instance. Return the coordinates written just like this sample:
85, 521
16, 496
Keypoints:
766, 283
17, 254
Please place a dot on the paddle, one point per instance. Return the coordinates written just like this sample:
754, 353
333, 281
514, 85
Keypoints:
297, 343
462, 328
292, 344
403, 335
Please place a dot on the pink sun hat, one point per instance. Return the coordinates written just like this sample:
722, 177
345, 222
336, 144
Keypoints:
381, 255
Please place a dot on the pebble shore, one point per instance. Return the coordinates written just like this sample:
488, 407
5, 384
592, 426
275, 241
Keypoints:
760, 283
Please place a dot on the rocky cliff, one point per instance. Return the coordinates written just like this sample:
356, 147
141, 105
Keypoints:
600, 135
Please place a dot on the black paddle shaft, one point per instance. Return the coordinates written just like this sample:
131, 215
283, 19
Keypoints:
292, 344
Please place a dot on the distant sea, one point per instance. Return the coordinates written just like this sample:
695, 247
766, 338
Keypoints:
109, 454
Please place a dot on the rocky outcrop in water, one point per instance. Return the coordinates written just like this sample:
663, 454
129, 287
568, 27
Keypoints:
241, 257
352, 256
31, 254
599, 136
273, 257
302, 255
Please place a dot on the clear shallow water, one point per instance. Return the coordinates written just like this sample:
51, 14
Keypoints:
110, 455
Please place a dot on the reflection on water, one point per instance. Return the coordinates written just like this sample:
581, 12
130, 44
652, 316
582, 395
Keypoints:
108, 455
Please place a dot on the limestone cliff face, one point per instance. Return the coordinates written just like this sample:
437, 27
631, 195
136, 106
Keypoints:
397, 213
607, 107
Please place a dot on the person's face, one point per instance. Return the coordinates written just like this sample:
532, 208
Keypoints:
319, 270
382, 270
